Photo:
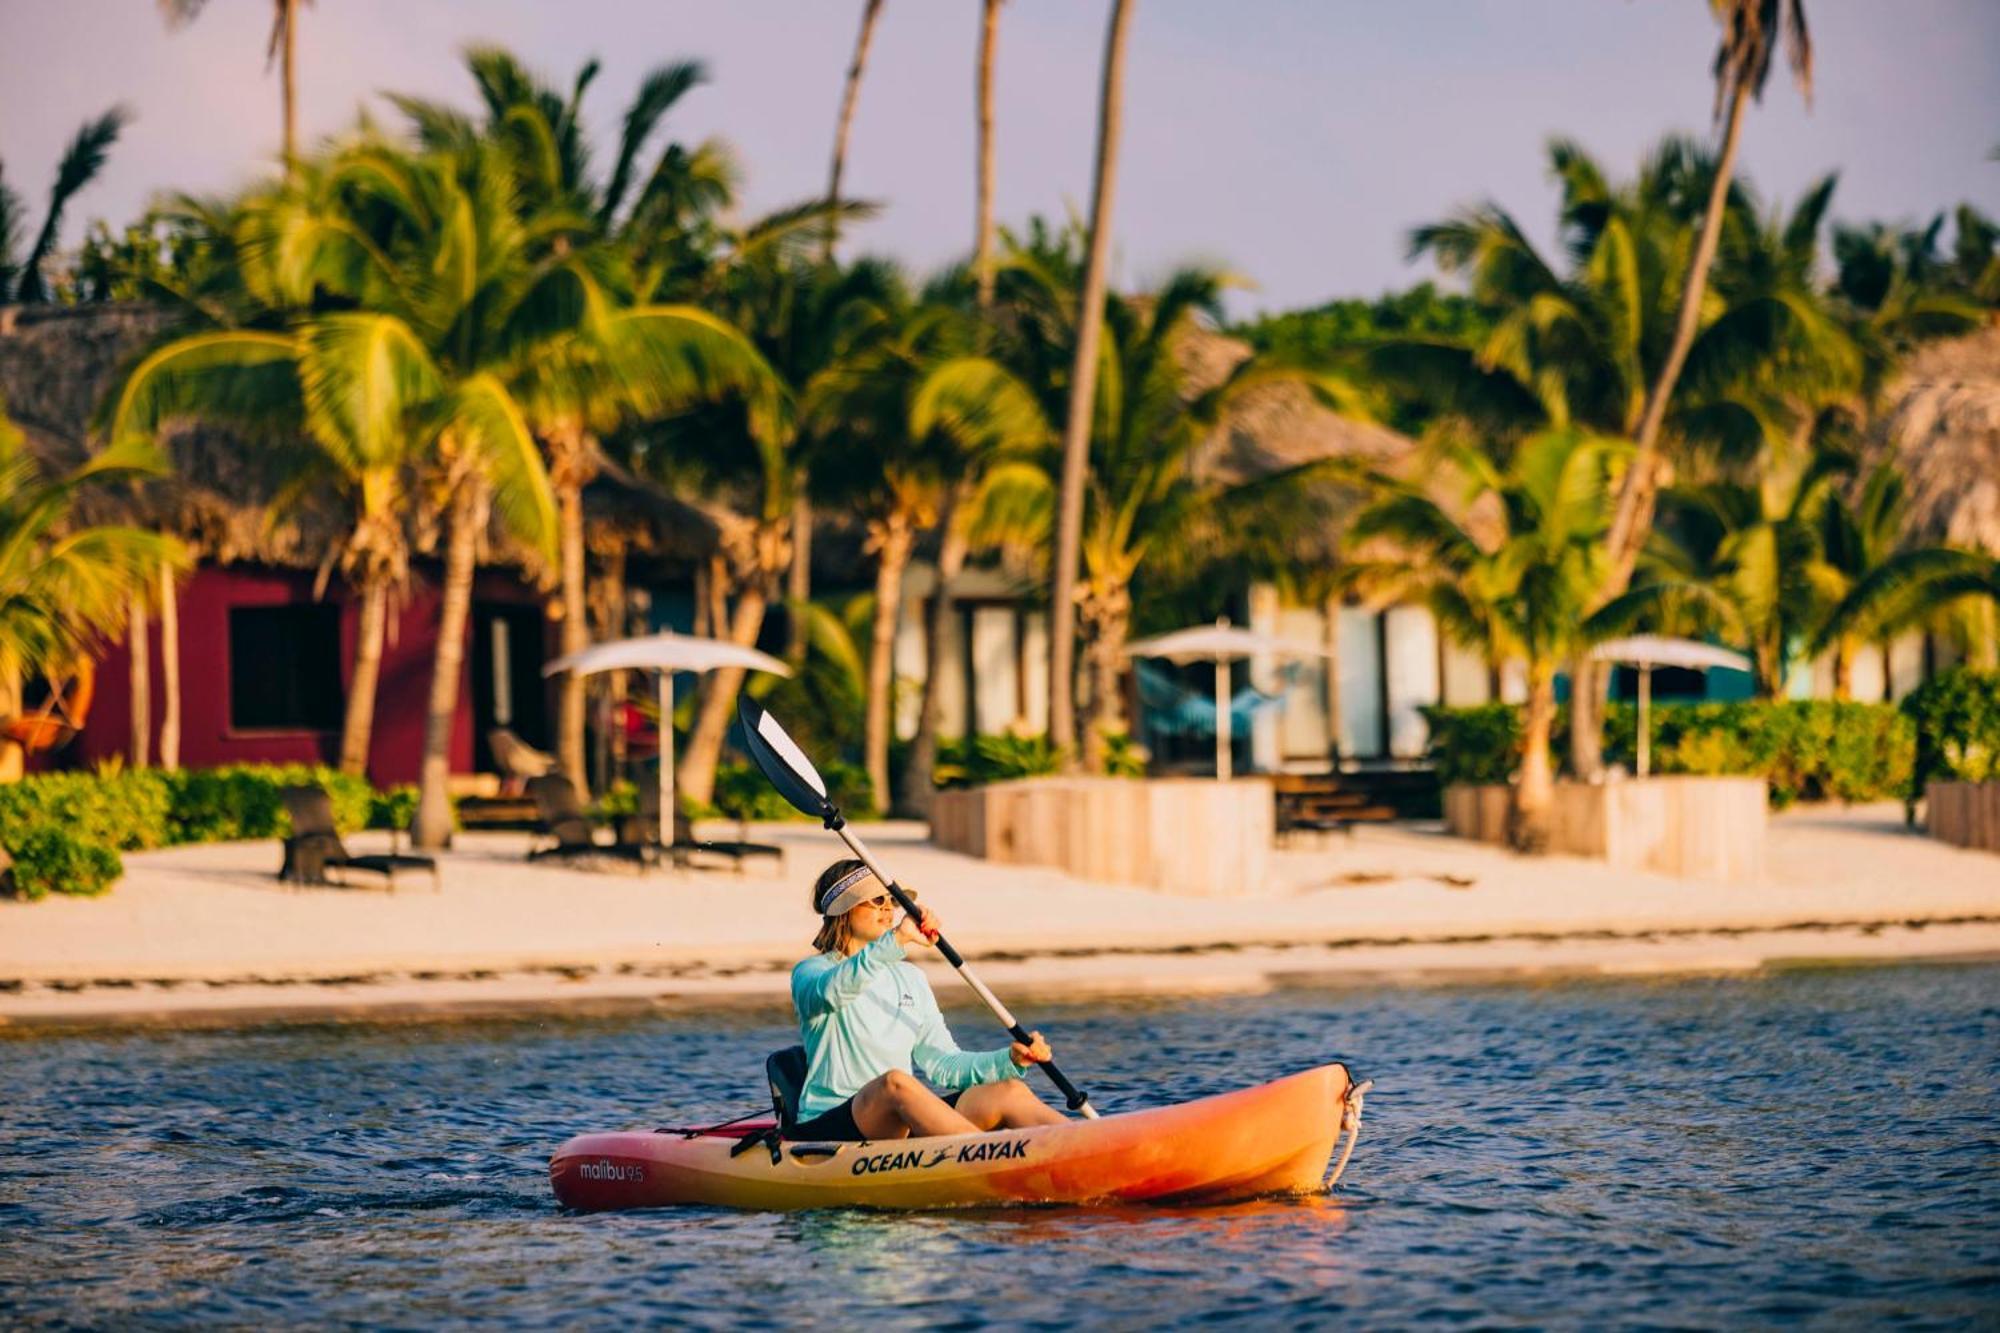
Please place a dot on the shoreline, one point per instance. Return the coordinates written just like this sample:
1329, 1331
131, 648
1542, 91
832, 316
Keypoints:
1067, 976
205, 935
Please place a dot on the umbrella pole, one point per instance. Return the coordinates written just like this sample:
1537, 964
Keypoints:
1222, 755
666, 748
1645, 711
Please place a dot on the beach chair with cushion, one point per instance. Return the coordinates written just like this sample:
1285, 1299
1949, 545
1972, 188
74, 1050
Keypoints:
314, 846
518, 761
568, 827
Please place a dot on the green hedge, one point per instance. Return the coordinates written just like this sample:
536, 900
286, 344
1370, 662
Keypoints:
53, 860
100, 814
743, 792
1807, 749
975, 761
1957, 721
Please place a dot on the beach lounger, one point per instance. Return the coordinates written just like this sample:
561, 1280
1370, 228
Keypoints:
314, 846
568, 826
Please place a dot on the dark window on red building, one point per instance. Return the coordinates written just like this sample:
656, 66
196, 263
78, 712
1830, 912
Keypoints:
284, 667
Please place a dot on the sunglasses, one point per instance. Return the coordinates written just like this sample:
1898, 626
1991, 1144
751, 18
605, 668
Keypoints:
883, 901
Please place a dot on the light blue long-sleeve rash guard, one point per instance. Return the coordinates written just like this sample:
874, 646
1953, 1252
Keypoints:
863, 1015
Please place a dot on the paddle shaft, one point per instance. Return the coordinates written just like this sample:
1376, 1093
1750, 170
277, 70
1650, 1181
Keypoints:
1077, 1100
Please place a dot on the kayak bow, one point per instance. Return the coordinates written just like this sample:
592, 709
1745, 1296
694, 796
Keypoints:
1275, 1138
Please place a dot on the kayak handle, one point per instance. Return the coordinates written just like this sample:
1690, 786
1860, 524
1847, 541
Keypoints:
1073, 1096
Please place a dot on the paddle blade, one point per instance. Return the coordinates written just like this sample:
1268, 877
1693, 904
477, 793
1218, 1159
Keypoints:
781, 759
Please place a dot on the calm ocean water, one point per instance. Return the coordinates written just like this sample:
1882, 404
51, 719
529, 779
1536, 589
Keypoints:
1814, 1147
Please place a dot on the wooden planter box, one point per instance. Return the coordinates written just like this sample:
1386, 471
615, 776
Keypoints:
1693, 827
1181, 835
1964, 814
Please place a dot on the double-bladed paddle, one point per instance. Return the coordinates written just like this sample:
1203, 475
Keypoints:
779, 756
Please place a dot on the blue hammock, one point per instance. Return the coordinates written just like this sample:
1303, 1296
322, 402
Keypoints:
1172, 709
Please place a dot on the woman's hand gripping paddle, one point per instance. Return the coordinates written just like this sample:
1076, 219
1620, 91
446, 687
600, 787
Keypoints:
779, 756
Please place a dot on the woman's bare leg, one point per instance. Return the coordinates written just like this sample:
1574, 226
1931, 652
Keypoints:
1009, 1104
897, 1105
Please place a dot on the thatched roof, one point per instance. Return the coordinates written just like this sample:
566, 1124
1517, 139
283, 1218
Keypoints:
1942, 425
57, 363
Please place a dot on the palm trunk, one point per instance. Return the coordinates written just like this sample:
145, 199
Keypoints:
431, 827
982, 243
1330, 640
1632, 519
919, 789
1984, 650
1107, 658
1590, 682
1769, 660
893, 538
360, 721
13, 759
140, 637
1083, 391
1843, 669
291, 88
798, 580
696, 778
849, 96
1531, 823
170, 671
575, 630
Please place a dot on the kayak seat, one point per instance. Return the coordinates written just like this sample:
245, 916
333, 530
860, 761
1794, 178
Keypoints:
785, 1071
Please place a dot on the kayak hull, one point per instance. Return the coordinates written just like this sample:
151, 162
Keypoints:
1277, 1137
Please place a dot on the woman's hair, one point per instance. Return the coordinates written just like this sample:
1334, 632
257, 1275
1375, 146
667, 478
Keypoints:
833, 932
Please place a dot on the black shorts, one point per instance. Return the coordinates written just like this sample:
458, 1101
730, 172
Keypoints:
837, 1125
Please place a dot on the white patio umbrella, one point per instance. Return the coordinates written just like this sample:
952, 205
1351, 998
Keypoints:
663, 654
1223, 643
1647, 651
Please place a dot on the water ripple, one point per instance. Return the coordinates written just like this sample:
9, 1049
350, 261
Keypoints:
1818, 1148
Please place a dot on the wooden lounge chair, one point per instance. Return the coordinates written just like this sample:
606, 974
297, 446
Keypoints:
645, 827
315, 846
567, 824
518, 761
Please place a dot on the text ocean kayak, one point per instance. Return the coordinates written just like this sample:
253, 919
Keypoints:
1274, 1138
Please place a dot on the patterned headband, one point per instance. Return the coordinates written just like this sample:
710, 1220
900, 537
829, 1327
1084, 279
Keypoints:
837, 900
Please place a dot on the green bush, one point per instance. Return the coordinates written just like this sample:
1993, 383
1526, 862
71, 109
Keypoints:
1806, 749
1479, 745
742, 792
1957, 721
52, 859
128, 809
242, 800
974, 761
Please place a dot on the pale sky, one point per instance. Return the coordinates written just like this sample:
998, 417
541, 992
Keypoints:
1295, 141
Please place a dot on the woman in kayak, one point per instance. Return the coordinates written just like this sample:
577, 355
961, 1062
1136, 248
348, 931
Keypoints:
868, 1017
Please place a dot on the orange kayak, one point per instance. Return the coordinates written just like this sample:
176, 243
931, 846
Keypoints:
1271, 1139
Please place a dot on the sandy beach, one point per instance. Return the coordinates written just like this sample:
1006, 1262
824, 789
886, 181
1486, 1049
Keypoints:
205, 933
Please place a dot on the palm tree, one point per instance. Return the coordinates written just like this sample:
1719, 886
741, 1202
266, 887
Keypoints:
1914, 586
281, 48
1508, 568
22, 281
1741, 560
1752, 31
912, 419
1579, 343
64, 586
650, 235
843, 125
1083, 388
1144, 503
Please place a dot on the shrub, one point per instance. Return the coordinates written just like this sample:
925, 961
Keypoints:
743, 792
1805, 749
52, 859
126, 809
977, 760
1957, 721
242, 800
1479, 745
